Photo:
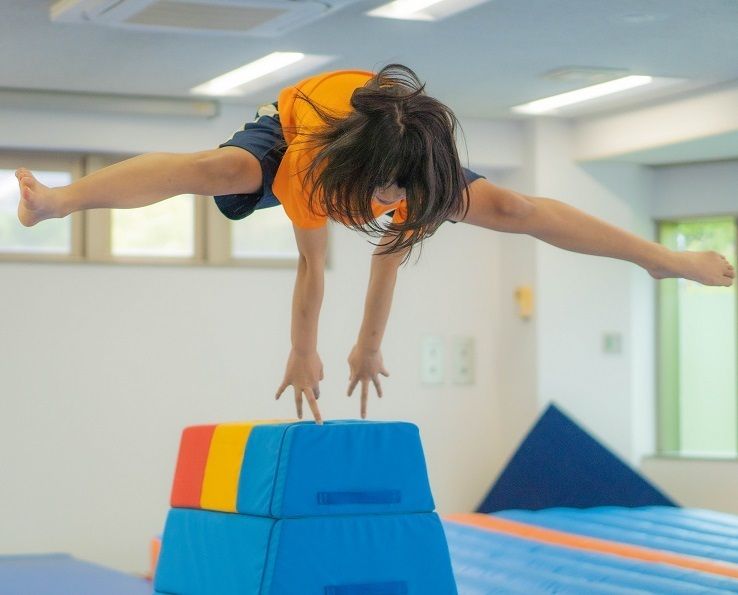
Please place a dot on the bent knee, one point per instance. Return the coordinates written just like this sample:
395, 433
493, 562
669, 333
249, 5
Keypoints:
236, 170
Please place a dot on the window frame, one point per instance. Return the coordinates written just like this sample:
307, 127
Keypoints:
91, 230
219, 245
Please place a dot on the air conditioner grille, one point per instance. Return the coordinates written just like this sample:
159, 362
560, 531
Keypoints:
190, 15
255, 18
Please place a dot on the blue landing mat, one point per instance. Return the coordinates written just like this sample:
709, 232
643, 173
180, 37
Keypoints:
487, 562
60, 574
694, 532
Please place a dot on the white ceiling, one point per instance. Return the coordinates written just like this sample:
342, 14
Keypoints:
480, 61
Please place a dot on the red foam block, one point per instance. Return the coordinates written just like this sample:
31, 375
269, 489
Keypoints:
193, 456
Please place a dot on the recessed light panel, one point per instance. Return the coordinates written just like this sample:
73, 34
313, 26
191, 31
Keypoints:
422, 10
553, 103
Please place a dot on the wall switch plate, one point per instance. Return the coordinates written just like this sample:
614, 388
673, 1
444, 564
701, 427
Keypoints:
612, 343
462, 360
431, 360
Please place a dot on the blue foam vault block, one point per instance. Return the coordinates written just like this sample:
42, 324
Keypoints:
560, 464
225, 553
339, 509
342, 467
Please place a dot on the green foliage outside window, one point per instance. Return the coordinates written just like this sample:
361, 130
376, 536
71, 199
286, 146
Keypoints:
698, 351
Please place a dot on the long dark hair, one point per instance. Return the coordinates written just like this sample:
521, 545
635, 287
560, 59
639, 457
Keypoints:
394, 133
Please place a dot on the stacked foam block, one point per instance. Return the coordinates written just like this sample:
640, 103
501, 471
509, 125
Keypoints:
269, 508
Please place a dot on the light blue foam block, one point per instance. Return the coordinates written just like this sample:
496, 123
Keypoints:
209, 552
341, 467
232, 554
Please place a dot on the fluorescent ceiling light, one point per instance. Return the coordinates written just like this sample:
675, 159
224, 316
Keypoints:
404, 9
226, 83
555, 102
422, 10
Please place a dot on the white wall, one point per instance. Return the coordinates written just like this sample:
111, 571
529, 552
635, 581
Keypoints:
518, 361
698, 126
695, 189
700, 483
102, 366
579, 298
558, 354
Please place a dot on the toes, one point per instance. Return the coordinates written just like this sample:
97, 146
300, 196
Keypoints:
25, 191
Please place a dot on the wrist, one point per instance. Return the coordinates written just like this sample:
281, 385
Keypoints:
367, 344
303, 350
660, 258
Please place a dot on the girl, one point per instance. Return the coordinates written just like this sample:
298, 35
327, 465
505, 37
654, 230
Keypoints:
350, 146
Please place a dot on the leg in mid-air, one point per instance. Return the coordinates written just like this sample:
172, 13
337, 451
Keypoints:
564, 226
140, 181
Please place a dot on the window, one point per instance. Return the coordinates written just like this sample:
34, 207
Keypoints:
164, 229
698, 348
184, 229
57, 239
266, 233
170, 231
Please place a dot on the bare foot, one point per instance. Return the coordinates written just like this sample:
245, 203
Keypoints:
37, 202
708, 268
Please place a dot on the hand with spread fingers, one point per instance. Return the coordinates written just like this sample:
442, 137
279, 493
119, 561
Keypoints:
366, 365
304, 372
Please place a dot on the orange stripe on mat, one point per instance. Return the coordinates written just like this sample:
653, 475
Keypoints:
590, 544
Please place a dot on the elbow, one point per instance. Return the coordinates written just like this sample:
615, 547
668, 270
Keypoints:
516, 206
517, 213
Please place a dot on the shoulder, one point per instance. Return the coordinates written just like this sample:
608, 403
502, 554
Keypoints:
331, 89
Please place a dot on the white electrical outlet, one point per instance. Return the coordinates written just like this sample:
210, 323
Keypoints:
462, 360
431, 360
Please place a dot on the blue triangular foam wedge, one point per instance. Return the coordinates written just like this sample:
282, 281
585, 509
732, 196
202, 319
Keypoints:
559, 464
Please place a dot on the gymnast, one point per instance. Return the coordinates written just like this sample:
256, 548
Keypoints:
351, 146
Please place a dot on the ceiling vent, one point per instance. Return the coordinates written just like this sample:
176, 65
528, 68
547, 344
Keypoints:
260, 18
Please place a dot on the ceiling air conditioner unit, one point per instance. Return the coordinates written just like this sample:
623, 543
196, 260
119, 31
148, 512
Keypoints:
260, 18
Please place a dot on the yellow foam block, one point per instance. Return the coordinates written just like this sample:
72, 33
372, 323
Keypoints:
223, 468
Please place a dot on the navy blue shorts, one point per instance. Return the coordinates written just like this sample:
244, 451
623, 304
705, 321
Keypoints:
263, 138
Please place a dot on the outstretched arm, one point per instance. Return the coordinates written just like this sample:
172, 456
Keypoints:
566, 227
365, 359
304, 369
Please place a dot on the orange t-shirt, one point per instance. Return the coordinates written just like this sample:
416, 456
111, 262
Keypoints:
331, 90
